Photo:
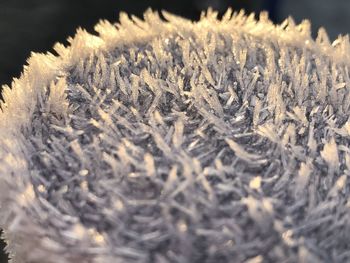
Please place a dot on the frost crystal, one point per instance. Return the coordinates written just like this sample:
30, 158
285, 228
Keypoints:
177, 141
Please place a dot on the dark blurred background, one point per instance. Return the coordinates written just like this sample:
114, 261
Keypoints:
35, 25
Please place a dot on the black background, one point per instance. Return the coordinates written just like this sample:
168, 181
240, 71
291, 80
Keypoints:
35, 25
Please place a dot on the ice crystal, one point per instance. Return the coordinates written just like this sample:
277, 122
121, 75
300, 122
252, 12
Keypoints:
177, 141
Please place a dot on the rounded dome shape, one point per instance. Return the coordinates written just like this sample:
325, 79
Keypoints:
223, 140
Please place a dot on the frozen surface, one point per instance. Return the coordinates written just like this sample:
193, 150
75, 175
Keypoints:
214, 141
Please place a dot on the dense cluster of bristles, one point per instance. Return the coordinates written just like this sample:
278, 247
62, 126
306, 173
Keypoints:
179, 142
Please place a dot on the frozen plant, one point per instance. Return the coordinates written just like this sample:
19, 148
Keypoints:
177, 141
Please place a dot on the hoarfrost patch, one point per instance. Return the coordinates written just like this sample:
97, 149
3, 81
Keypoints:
215, 141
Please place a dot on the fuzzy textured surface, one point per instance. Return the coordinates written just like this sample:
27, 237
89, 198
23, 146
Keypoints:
177, 141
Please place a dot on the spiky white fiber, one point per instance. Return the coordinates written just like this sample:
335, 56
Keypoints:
173, 141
